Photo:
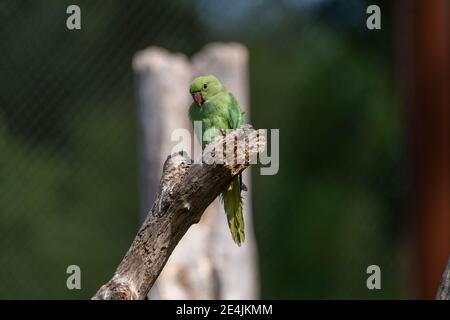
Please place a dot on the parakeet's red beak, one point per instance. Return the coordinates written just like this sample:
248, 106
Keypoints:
198, 98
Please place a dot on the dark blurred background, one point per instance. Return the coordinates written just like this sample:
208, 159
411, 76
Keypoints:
68, 140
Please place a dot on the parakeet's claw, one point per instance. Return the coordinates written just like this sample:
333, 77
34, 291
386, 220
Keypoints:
223, 132
244, 187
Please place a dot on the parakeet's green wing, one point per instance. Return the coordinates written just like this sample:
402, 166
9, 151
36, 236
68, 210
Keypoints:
235, 115
232, 199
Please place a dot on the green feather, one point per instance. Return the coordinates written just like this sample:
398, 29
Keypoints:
220, 110
232, 202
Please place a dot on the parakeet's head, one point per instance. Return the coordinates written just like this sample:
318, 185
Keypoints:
204, 87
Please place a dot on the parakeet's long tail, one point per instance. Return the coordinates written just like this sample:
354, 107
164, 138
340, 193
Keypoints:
232, 202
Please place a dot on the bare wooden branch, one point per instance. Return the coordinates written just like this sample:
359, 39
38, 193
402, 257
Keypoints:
186, 189
444, 287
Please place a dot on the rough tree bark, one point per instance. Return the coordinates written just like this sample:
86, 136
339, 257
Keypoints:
206, 264
186, 189
443, 292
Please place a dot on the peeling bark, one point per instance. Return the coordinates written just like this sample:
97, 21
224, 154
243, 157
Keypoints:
444, 287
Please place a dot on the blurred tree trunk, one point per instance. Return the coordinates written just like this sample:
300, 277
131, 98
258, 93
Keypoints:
206, 264
423, 53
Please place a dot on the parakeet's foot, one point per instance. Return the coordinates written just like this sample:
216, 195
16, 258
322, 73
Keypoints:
243, 187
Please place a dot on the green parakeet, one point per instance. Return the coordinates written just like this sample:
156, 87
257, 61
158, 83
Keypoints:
217, 109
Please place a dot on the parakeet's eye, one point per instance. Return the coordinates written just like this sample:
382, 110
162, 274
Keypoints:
205, 86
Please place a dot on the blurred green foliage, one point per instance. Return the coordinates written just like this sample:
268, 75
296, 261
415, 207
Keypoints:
68, 151
335, 206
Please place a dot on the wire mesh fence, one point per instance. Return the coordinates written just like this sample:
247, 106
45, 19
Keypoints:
68, 140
